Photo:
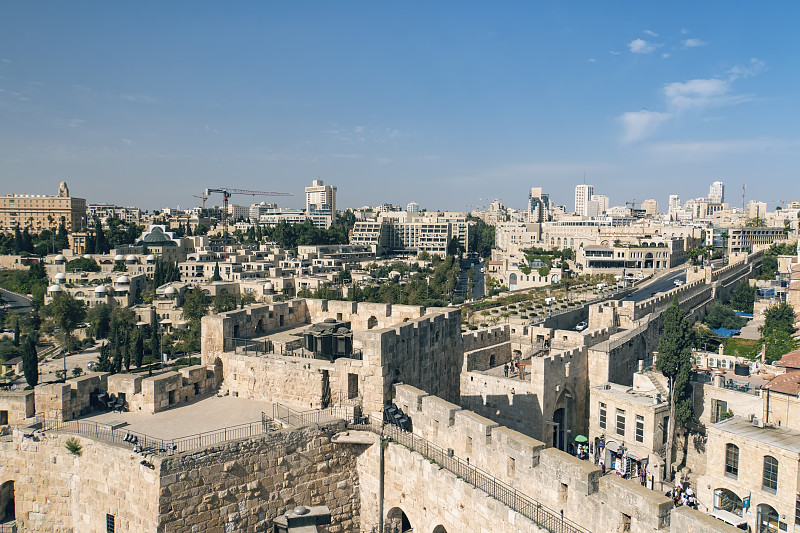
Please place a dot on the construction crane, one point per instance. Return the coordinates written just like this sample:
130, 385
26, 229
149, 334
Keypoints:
226, 193
782, 202
632, 203
203, 198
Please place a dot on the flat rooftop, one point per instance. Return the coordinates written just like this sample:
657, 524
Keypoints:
787, 439
207, 414
628, 394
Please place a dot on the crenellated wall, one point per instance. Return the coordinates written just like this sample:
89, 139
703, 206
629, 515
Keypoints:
486, 348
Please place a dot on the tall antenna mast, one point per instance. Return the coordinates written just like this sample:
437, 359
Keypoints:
744, 186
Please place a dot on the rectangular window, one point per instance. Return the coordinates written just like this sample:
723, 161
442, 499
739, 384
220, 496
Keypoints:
665, 430
732, 460
797, 510
602, 415
620, 422
109, 523
639, 428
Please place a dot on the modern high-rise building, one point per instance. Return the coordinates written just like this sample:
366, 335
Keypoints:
538, 205
412, 207
583, 193
716, 193
602, 202
39, 211
321, 197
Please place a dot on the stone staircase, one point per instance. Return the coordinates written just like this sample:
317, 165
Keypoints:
654, 379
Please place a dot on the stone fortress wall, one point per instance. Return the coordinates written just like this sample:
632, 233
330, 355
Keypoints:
557, 480
398, 344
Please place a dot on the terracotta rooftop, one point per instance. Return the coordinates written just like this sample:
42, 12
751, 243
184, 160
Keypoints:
785, 384
790, 360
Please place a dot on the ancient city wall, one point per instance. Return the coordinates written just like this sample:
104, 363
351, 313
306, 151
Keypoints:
18, 405
244, 485
486, 348
55, 490
365, 315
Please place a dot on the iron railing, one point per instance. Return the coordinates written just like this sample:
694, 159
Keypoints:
161, 447
292, 349
542, 516
8, 527
290, 417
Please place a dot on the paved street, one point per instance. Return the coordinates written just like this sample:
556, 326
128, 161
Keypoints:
16, 303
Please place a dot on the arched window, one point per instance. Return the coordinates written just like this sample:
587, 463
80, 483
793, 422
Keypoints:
770, 481
732, 460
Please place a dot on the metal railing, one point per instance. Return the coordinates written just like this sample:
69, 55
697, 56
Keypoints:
8, 527
291, 349
290, 417
161, 447
542, 516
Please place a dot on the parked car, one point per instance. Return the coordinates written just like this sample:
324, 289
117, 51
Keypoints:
581, 326
678, 282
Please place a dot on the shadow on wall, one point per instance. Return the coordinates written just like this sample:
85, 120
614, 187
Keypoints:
523, 413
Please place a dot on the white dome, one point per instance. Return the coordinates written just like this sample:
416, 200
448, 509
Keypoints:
150, 257
268, 286
102, 289
61, 275
170, 291
123, 279
119, 257
60, 257
131, 258
55, 288
87, 256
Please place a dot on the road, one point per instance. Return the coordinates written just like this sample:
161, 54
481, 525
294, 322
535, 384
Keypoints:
463, 278
16, 303
48, 368
661, 285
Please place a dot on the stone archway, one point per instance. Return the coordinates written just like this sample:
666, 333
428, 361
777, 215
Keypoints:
727, 500
768, 518
7, 505
398, 521
372, 322
439, 529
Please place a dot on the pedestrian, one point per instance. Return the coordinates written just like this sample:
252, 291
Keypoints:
505, 369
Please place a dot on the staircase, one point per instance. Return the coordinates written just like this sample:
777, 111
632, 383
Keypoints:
657, 384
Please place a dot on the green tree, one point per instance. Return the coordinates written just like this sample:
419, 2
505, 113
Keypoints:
30, 362
721, 316
67, 313
104, 363
195, 304
99, 317
16, 332
675, 363
216, 276
138, 349
154, 341
83, 264
224, 302
743, 297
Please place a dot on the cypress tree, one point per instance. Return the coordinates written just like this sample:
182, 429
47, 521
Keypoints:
30, 362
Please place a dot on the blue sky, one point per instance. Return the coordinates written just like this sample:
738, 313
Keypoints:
442, 103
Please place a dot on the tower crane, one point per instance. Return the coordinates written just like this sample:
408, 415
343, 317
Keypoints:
632, 204
203, 199
226, 193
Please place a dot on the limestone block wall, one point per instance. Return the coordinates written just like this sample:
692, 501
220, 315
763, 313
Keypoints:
484, 349
53, 401
740, 403
425, 352
528, 405
19, 406
365, 315
130, 385
57, 491
558, 480
160, 392
690, 521
482, 338
244, 485
296, 381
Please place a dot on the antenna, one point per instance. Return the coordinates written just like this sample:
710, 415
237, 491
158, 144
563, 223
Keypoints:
744, 186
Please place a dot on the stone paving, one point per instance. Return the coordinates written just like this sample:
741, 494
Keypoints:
206, 414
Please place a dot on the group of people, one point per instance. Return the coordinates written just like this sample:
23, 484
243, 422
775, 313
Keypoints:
513, 366
681, 496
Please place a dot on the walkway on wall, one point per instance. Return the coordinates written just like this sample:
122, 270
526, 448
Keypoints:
542, 516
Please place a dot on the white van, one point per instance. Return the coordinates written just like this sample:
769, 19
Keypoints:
732, 519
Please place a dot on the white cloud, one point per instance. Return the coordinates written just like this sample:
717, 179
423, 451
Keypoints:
613, 52
641, 124
591, 60
665, 55
6, 61
693, 43
640, 46
753, 67
651, 33
700, 93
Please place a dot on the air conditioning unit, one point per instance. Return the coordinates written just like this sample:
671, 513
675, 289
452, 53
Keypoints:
758, 422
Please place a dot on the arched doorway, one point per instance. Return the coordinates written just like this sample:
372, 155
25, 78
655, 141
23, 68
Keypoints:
563, 421
767, 519
372, 322
558, 433
398, 521
727, 500
512, 282
648, 260
7, 512
439, 529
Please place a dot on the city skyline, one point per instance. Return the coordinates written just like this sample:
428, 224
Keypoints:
150, 104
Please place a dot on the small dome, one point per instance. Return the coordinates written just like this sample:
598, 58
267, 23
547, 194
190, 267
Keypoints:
102, 289
61, 276
87, 256
268, 286
170, 291
55, 288
150, 257
60, 259
123, 279
119, 257
130, 259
